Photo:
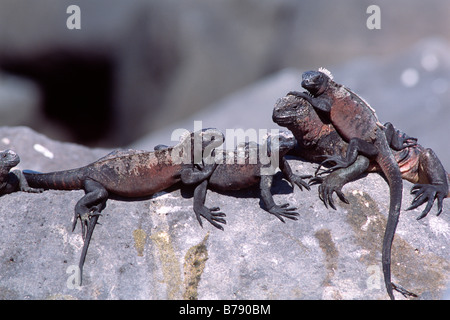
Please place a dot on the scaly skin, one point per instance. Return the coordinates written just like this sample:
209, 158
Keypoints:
417, 164
247, 168
316, 138
357, 123
133, 174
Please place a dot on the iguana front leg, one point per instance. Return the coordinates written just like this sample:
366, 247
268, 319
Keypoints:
23, 184
336, 180
319, 103
213, 215
357, 146
284, 210
293, 178
196, 173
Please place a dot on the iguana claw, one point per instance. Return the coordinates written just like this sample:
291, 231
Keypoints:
284, 210
211, 215
427, 193
85, 220
298, 180
339, 163
326, 190
90, 224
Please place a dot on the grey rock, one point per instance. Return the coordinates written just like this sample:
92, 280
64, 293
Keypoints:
155, 249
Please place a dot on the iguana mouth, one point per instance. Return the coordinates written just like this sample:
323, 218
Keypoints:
283, 120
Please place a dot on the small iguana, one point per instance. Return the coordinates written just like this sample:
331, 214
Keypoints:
246, 168
131, 174
417, 164
11, 181
357, 123
316, 138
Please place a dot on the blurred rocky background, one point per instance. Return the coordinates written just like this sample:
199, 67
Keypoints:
137, 69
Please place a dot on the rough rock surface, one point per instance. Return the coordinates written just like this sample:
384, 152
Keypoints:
155, 249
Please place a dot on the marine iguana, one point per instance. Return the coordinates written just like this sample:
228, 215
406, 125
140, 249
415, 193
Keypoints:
357, 123
316, 138
246, 167
11, 181
417, 164
132, 174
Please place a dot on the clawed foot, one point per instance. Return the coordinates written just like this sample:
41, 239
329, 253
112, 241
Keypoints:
284, 211
403, 291
86, 220
326, 190
298, 94
88, 223
339, 163
409, 142
298, 180
213, 215
428, 193
32, 190
403, 141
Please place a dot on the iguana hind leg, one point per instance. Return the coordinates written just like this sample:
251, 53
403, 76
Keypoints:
433, 183
398, 140
88, 210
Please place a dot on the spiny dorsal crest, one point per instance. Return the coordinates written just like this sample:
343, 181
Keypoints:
326, 72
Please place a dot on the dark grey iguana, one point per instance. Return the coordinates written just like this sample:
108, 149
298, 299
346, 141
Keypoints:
247, 168
254, 164
132, 174
11, 181
357, 123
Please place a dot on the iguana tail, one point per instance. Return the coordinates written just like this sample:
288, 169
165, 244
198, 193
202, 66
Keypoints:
59, 180
390, 168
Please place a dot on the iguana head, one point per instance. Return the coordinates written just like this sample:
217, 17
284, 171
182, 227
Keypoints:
204, 142
281, 142
8, 159
291, 110
298, 116
316, 81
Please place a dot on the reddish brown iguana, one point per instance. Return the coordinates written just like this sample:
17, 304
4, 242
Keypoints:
316, 138
134, 174
356, 122
417, 164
